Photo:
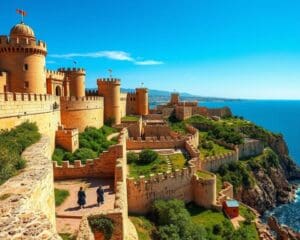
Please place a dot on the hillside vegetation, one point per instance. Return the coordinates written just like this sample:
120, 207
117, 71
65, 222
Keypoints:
12, 143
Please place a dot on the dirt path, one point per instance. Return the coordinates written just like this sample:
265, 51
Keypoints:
69, 214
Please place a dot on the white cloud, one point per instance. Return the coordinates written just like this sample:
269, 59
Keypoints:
114, 55
148, 62
51, 62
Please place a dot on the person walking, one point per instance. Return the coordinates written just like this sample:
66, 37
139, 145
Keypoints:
81, 198
100, 195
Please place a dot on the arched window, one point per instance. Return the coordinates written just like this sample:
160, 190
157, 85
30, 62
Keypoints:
57, 91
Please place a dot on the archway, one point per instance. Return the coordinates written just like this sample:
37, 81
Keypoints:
58, 91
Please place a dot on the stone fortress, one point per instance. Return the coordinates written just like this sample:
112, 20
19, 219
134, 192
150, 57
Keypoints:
61, 107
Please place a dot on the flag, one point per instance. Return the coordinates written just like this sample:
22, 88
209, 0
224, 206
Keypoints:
21, 12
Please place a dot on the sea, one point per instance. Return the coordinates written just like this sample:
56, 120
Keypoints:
279, 116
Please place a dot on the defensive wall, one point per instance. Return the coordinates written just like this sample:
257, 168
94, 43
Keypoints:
3, 81
82, 112
214, 162
225, 193
16, 108
27, 209
250, 148
111, 164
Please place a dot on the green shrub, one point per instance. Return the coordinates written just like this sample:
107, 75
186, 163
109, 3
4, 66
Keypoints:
60, 196
12, 143
83, 154
132, 157
102, 224
147, 156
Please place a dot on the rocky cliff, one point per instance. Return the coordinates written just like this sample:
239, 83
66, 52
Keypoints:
271, 182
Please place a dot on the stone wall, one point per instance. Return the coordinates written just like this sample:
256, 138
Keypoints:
44, 110
67, 138
82, 112
154, 143
156, 130
250, 148
214, 162
103, 166
27, 209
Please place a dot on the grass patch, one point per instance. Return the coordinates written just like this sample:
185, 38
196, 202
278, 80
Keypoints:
177, 160
92, 142
60, 196
208, 147
143, 227
67, 236
130, 118
205, 175
157, 166
12, 143
219, 183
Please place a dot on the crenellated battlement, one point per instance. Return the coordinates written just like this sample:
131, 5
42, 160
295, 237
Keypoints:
108, 81
57, 75
91, 92
82, 99
72, 70
26, 45
13, 97
214, 162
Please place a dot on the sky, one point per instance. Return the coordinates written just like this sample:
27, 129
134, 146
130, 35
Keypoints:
234, 48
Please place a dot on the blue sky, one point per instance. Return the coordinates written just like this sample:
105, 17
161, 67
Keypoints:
234, 48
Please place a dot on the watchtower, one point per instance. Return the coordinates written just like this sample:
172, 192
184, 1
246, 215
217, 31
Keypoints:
23, 58
76, 78
174, 98
142, 103
109, 88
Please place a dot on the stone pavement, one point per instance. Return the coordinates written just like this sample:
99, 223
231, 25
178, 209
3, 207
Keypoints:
68, 214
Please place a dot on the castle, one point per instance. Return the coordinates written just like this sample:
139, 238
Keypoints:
61, 107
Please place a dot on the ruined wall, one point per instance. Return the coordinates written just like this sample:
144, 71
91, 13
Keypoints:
82, 112
42, 109
27, 209
214, 162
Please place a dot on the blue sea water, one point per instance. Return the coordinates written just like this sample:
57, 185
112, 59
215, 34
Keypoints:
280, 117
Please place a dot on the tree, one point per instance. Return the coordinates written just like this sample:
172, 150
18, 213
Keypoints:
147, 156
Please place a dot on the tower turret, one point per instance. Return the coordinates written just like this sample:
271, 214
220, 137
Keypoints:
23, 58
76, 78
142, 101
174, 98
109, 88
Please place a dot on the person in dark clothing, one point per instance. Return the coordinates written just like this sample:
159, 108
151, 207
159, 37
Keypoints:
81, 198
100, 195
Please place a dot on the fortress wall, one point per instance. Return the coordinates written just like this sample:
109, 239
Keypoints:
153, 143
131, 103
250, 148
156, 130
204, 190
16, 108
183, 112
153, 116
82, 112
142, 192
219, 112
193, 135
27, 207
213, 163
103, 166
225, 193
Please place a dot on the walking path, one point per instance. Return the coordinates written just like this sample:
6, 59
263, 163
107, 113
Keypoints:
68, 214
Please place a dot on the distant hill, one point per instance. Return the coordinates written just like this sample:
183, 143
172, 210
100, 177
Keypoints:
160, 96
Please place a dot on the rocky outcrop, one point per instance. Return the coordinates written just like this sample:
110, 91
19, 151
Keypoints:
282, 232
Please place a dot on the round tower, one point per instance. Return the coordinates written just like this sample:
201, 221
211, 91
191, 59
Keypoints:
142, 101
174, 98
110, 89
23, 58
76, 77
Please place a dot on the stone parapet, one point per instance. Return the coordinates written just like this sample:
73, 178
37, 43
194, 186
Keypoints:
27, 209
214, 162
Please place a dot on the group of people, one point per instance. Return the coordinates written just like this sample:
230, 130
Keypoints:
82, 197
